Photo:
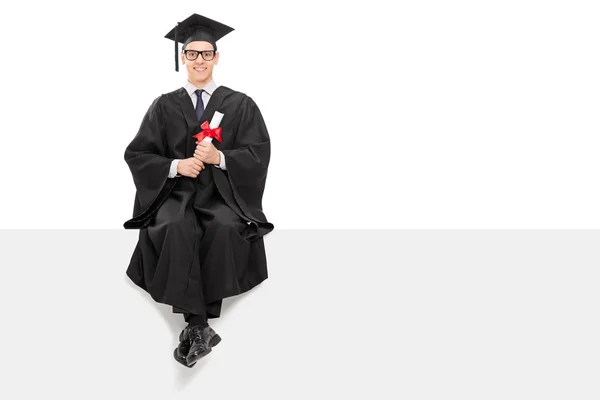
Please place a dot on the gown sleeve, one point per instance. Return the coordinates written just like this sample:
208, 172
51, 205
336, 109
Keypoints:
248, 161
145, 156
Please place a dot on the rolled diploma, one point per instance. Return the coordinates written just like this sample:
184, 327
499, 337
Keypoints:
216, 121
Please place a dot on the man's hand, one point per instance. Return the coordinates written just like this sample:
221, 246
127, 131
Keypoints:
190, 167
207, 152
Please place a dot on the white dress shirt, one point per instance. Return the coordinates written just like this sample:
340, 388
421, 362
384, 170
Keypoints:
206, 94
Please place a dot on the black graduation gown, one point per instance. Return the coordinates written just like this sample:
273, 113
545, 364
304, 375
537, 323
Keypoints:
201, 240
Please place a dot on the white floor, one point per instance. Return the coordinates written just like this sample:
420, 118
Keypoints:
344, 314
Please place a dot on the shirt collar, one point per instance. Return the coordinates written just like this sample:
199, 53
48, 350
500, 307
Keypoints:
208, 88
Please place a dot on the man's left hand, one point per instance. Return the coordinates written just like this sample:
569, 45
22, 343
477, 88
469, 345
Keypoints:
207, 153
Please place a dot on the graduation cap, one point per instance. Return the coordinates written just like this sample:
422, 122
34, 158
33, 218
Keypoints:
196, 28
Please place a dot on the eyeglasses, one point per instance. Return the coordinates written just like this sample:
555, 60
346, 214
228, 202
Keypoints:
207, 55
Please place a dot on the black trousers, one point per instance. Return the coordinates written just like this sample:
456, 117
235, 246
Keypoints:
212, 310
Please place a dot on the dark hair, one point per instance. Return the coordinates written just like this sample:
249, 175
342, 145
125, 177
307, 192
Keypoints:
185, 44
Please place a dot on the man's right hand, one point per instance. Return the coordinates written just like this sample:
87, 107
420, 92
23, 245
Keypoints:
190, 167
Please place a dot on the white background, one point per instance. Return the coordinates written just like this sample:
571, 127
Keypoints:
432, 114
463, 114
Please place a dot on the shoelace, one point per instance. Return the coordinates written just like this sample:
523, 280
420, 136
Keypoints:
195, 334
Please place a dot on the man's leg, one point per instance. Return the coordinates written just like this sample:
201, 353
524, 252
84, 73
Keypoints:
218, 224
224, 253
213, 310
196, 340
194, 319
187, 343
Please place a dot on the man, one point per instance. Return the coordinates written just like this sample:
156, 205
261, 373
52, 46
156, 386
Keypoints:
198, 204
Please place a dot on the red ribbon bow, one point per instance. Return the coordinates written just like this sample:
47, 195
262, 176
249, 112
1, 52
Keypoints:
208, 132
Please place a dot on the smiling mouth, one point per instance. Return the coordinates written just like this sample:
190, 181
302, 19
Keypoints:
200, 69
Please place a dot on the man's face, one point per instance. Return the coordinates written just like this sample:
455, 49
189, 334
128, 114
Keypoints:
199, 70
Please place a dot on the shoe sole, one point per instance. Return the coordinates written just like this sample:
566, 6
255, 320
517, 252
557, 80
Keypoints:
181, 360
215, 340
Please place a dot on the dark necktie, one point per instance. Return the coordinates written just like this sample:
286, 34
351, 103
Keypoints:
199, 104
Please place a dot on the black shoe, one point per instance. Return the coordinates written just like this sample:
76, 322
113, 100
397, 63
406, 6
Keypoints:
201, 342
181, 351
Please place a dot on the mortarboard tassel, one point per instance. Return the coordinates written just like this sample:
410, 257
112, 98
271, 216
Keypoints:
176, 50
